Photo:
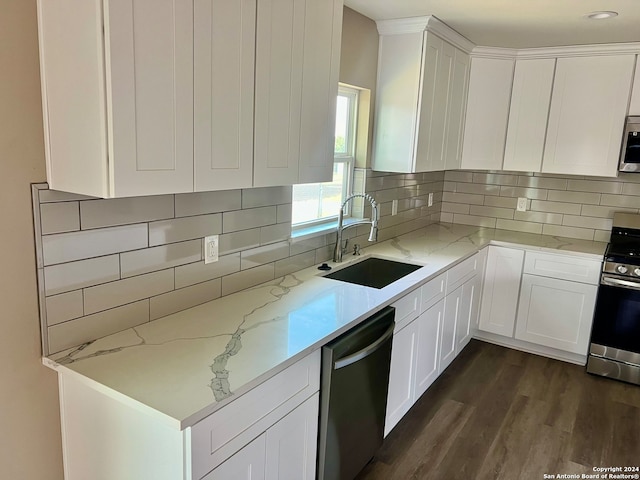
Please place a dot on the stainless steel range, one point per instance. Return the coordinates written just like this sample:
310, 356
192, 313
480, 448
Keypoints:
615, 338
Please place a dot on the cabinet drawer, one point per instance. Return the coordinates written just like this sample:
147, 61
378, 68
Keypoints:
226, 431
433, 291
407, 309
564, 267
461, 272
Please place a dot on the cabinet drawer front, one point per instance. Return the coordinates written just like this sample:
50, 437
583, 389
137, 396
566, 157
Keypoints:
433, 291
407, 309
564, 267
461, 272
226, 431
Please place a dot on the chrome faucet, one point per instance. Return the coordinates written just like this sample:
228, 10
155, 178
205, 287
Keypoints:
373, 234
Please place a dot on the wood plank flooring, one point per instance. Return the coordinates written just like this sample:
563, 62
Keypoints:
498, 413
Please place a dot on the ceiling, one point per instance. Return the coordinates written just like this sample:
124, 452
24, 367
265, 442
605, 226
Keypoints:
518, 23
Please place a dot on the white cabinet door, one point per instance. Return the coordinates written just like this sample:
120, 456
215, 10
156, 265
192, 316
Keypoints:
224, 58
452, 313
487, 113
401, 375
320, 69
246, 464
528, 114
297, 64
456, 110
278, 91
291, 444
149, 61
500, 290
438, 67
428, 355
586, 119
556, 313
634, 104
468, 317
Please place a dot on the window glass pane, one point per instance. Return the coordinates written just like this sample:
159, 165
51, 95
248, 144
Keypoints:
342, 125
316, 201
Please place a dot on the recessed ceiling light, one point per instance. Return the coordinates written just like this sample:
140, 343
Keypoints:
601, 15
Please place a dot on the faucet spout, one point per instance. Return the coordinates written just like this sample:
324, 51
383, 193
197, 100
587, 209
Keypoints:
373, 234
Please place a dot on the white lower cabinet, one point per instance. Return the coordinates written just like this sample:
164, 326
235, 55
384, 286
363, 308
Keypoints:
401, 375
247, 464
428, 353
556, 313
501, 289
287, 450
544, 304
452, 309
468, 313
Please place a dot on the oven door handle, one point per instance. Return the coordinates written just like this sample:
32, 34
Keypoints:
616, 282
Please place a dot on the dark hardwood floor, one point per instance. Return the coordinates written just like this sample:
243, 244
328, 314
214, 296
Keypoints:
497, 413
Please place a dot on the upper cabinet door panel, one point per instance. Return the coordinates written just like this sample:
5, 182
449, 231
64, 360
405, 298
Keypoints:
456, 110
528, 114
587, 115
634, 104
278, 91
320, 70
224, 56
487, 113
398, 87
149, 59
433, 104
73, 93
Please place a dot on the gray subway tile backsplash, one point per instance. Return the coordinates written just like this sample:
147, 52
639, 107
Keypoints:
147, 262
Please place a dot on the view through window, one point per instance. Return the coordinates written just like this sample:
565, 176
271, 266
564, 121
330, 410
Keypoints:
315, 203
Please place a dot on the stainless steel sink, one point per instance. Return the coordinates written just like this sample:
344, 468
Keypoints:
373, 272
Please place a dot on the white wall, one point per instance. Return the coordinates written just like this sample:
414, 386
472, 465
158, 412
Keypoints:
29, 419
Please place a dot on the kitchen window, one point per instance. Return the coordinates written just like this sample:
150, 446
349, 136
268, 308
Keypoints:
316, 205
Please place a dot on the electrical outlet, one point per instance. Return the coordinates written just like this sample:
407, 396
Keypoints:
522, 204
211, 249
394, 207
430, 200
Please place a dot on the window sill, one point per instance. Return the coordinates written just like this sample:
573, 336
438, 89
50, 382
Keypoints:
301, 233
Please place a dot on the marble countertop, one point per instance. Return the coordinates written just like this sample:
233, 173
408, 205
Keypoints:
183, 367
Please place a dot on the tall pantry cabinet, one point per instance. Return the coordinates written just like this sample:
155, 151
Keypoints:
144, 97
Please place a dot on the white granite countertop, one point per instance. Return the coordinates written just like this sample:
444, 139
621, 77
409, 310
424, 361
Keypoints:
183, 367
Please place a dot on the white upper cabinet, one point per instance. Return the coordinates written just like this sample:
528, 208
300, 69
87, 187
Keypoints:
588, 108
421, 94
530, 99
224, 59
297, 65
118, 104
634, 104
174, 96
487, 113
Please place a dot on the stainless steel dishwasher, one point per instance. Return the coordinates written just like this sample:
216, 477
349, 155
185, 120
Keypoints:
353, 397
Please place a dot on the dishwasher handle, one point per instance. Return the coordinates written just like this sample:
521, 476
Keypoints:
365, 352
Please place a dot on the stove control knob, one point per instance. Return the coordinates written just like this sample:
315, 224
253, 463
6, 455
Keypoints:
622, 269
637, 272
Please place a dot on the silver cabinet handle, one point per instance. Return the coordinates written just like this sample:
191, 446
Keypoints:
365, 352
616, 282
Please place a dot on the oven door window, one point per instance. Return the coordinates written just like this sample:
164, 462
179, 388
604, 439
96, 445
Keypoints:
632, 154
616, 322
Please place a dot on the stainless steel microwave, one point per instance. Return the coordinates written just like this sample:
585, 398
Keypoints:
630, 153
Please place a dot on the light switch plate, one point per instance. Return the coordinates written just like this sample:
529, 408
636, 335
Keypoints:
211, 249
394, 207
522, 204
430, 200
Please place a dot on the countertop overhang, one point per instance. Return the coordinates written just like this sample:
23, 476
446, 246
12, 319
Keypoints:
185, 366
